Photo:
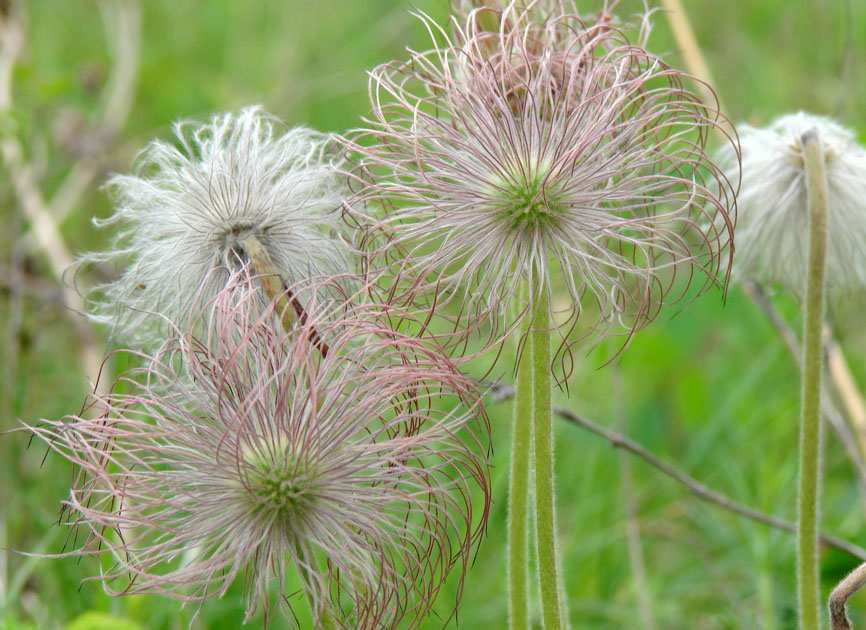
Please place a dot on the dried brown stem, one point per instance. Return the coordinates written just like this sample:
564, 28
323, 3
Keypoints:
617, 440
286, 303
690, 49
694, 59
840, 595
847, 388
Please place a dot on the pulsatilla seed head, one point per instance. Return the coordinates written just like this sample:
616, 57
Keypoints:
358, 478
184, 215
549, 150
773, 227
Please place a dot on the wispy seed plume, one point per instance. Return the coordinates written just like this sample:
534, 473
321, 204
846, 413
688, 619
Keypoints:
773, 227
358, 478
192, 204
548, 150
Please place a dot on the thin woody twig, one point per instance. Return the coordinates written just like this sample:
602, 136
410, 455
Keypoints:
617, 440
840, 595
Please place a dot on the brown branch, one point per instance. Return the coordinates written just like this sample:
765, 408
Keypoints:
840, 595
617, 440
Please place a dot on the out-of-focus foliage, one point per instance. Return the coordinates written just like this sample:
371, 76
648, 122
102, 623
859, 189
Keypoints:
93, 620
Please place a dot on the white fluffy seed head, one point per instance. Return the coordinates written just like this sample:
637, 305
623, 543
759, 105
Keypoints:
184, 212
772, 234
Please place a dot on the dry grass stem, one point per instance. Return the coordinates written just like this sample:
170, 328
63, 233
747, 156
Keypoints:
846, 387
123, 29
691, 52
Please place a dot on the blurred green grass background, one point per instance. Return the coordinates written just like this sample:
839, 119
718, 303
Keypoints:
709, 387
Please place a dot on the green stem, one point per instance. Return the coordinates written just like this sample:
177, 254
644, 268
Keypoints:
810, 428
518, 490
325, 620
764, 586
552, 610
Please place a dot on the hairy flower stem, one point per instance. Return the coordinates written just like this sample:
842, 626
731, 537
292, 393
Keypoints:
810, 427
552, 610
324, 620
518, 491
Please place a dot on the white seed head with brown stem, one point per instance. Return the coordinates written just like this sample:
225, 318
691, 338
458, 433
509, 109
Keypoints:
192, 203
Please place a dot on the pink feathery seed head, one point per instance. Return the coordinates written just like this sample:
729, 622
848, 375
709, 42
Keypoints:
500, 16
253, 456
551, 150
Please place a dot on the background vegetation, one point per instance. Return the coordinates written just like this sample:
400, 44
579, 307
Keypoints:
711, 387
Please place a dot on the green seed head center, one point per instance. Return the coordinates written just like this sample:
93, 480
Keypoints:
283, 493
527, 198
279, 480
529, 204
